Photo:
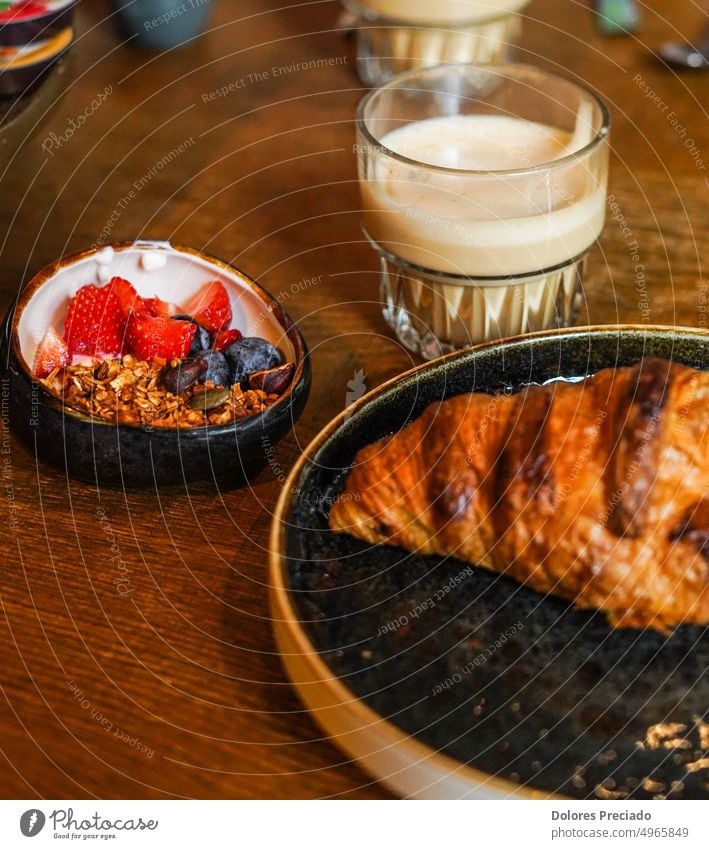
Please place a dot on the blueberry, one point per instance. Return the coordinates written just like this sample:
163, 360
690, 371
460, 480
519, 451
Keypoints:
250, 354
202, 339
218, 370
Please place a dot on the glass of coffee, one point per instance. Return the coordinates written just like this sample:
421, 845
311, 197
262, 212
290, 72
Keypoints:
483, 189
394, 36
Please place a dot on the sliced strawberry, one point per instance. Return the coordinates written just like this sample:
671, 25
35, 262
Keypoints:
129, 300
94, 322
225, 338
155, 306
159, 336
211, 307
52, 353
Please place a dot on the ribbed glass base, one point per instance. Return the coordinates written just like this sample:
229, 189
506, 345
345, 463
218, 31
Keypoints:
386, 50
432, 315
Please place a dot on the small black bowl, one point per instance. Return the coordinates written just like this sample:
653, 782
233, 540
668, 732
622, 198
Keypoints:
446, 680
131, 455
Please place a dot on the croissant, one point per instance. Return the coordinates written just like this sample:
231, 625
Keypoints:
595, 491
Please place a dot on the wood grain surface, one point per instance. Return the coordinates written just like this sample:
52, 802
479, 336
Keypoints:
176, 689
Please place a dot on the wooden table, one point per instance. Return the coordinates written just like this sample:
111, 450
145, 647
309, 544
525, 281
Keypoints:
176, 690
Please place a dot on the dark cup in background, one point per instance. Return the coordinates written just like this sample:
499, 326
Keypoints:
161, 24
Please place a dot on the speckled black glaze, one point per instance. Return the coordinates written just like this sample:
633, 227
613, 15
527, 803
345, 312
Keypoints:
493, 674
116, 455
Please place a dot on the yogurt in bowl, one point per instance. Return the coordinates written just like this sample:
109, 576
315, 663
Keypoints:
112, 411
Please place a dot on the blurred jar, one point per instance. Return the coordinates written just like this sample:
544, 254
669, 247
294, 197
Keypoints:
161, 24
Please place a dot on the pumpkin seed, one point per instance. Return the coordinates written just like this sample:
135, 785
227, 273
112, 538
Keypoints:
210, 399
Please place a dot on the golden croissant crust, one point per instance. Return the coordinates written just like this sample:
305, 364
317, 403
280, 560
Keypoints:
596, 491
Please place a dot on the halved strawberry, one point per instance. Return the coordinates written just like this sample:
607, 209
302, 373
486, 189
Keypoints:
157, 307
224, 338
131, 301
128, 299
52, 353
94, 322
158, 336
211, 307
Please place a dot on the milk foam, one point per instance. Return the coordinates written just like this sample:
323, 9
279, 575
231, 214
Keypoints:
442, 11
484, 225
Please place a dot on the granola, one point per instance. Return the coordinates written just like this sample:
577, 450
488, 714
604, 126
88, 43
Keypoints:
129, 391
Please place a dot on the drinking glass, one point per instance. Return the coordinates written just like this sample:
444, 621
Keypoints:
394, 36
469, 253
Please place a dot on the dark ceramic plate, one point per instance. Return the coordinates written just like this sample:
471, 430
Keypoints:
448, 680
95, 450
